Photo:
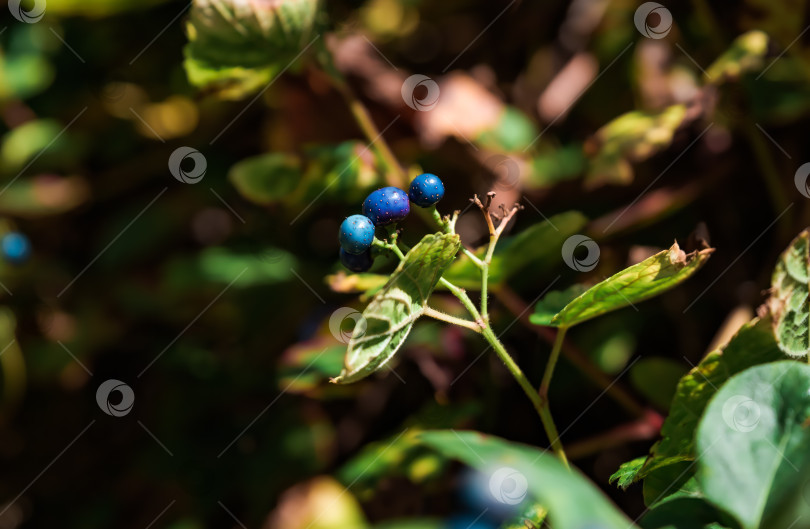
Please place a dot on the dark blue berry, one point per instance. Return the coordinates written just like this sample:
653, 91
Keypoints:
426, 190
356, 263
15, 247
356, 234
386, 205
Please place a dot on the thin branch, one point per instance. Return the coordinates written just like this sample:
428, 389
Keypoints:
461, 322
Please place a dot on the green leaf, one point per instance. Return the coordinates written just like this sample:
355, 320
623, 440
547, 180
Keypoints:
571, 499
393, 310
687, 513
402, 454
753, 444
630, 138
745, 54
670, 462
267, 178
628, 472
788, 302
513, 131
24, 75
558, 164
520, 252
225, 266
554, 302
304, 366
346, 170
352, 283
657, 379
236, 47
642, 281
532, 516
24, 142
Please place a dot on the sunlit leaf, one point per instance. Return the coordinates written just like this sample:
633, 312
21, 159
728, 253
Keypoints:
746, 54
571, 499
651, 277
236, 47
752, 444
789, 303
630, 138
391, 314
22, 143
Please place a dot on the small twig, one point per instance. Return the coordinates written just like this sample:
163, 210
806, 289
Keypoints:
461, 322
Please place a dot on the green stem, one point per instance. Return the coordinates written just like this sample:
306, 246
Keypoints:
394, 173
438, 315
539, 404
465, 300
545, 408
552, 362
484, 288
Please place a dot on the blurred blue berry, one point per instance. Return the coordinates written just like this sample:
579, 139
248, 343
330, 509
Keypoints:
356, 263
426, 190
16, 247
386, 205
356, 234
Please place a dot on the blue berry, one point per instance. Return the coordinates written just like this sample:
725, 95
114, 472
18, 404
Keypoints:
356, 263
386, 205
15, 247
426, 190
356, 234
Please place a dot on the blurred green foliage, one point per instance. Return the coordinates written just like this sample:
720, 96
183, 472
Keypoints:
210, 301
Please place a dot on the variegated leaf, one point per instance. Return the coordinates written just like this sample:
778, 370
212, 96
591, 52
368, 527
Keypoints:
389, 317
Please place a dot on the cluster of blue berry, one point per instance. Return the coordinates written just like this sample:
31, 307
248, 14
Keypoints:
15, 247
384, 206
